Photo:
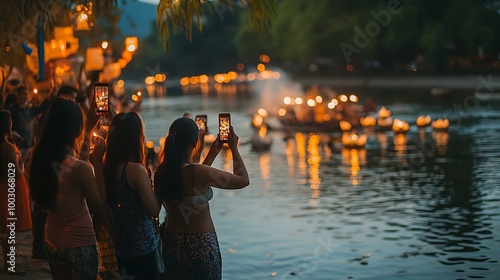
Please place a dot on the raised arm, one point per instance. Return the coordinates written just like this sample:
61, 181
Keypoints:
225, 180
215, 149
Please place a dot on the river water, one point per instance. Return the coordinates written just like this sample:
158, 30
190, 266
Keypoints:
423, 205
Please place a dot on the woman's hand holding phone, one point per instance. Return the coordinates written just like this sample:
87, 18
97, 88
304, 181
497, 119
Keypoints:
233, 139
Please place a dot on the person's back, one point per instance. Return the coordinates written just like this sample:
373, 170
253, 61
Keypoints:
134, 228
131, 198
69, 224
190, 245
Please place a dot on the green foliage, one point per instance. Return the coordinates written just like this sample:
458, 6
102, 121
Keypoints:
306, 30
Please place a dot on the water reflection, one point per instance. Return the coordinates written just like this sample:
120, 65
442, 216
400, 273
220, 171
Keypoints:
441, 138
265, 168
313, 160
400, 146
300, 139
354, 158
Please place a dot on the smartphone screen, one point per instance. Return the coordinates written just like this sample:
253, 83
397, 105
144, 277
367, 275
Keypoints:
101, 93
224, 125
201, 121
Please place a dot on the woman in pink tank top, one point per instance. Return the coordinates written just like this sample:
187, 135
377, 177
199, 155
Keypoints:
64, 185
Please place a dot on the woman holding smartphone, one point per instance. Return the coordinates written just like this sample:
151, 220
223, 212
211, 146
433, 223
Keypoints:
190, 245
131, 197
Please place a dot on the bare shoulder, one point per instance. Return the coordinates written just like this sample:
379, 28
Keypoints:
81, 167
135, 171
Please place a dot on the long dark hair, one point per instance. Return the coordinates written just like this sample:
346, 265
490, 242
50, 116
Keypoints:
183, 134
5, 125
63, 127
125, 142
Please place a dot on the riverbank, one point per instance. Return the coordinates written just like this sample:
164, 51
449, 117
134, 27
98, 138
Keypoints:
481, 83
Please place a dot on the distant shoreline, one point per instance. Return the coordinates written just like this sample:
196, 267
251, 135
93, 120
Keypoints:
470, 82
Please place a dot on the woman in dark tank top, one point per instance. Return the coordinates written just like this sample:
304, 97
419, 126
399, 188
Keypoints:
131, 197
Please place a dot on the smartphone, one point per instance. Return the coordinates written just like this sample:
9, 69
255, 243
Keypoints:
201, 121
101, 94
224, 125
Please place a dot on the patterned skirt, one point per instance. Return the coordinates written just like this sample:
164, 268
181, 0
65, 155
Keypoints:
192, 256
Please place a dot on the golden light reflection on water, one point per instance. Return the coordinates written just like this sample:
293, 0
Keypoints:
441, 138
290, 147
383, 140
265, 169
300, 138
354, 158
400, 144
313, 160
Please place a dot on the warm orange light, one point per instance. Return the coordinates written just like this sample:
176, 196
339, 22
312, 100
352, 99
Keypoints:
240, 66
353, 98
257, 120
193, 80
343, 98
261, 67
311, 103
219, 78
184, 81
139, 93
232, 75
131, 43
149, 80
262, 112
264, 58
319, 99
160, 78
282, 112
287, 100
251, 76
35, 91
135, 97
331, 105
203, 79
120, 83
150, 144
298, 101
104, 44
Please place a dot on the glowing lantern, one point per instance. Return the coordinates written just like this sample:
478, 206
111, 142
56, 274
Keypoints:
441, 124
400, 126
287, 100
343, 98
311, 103
345, 125
131, 43
94, 59
298, 101
423, 121
257, 120
368, 121
63, 33
82, 22
319, 99
354, 141
262, 112
353, 98
282, 112
384, 113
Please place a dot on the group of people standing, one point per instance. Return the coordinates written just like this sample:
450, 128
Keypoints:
75, 185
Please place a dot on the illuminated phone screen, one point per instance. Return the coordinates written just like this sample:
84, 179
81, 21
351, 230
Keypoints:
101, 97
224, 126
201, 122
